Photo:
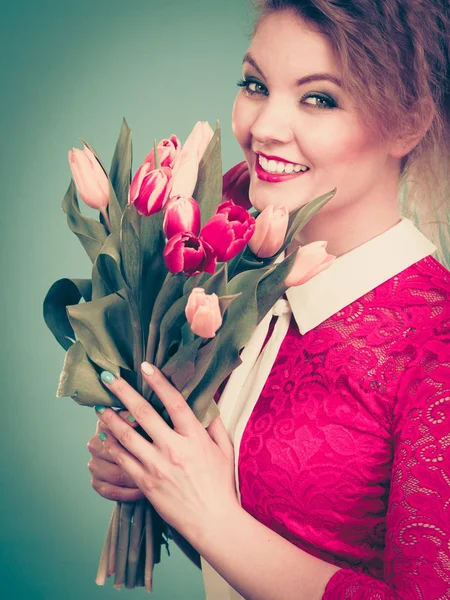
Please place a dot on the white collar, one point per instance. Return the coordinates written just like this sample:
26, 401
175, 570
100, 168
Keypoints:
357, 272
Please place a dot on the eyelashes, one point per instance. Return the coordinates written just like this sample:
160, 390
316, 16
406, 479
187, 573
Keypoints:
248, 81
321, 101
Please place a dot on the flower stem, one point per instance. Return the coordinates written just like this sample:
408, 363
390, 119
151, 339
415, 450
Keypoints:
149, 555
137, 533
126, 513
102, 572
114, 538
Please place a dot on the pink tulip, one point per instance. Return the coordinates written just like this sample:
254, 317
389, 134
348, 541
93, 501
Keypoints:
168, 150
235, 185
311, 260
228, 231
150, 189
203, 313
186, 165
270, 231
186, 253
91, 180
181, 214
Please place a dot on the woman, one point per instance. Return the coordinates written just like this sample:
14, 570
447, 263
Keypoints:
342, 445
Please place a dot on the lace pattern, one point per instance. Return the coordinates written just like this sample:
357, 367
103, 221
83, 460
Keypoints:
347, 451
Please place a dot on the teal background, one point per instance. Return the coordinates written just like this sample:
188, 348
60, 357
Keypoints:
73, 70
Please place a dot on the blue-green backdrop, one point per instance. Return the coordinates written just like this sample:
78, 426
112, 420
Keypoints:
73, 70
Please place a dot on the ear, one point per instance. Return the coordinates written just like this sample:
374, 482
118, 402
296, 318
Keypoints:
415, 126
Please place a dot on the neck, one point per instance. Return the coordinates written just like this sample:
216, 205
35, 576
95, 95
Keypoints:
347, 226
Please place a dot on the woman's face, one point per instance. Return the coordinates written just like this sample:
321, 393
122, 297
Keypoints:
298, 128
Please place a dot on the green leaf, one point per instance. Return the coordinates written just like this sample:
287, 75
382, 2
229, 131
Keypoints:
299, 218
239, 323
103, 327
108, 265
154, 270
208, 191
131, 253
180, 368
61, 294
99, 289
271, 288
170, 329
195, 281
120, 172
80, 380
170, 291
90, 232
225, 301
114, 209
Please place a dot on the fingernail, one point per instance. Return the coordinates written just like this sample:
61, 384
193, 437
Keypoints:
131, 419
102, 435
100, 408
147, 369
107, 377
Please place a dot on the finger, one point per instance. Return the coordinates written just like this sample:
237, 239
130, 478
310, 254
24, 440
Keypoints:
219, 435
144, 413
95, 446
183, 419
103, 470
128, 418
127, 447
113, 492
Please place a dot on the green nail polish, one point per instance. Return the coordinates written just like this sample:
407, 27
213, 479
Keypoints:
100, 408
131, 419
102, 435
107, 377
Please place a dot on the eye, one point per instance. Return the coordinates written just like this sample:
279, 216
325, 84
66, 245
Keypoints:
252, 86
321, 101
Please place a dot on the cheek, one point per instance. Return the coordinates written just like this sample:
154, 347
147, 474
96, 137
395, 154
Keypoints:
241, 121
343, 142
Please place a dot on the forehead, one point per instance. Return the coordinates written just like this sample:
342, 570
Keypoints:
285, 43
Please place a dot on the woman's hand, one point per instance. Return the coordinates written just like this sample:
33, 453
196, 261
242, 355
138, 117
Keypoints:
108, 479
187, 473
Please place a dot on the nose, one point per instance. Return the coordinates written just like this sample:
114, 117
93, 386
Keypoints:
272, 124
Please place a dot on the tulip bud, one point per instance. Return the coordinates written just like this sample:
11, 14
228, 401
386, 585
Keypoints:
184, 252
235, 185
228, 231
181, 214
203, 313
270, 231
150, 189
310, 261
91, 180
186, 165
168, 150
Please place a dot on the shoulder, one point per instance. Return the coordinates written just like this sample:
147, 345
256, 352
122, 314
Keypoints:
422, 293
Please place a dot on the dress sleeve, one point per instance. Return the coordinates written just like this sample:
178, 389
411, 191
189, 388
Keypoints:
417, 551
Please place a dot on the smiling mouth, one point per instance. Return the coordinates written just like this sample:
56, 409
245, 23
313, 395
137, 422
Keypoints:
278, 166
276, 171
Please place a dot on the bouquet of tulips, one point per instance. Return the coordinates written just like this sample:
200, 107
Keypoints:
181, 275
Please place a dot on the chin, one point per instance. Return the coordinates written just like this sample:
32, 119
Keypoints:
260, 199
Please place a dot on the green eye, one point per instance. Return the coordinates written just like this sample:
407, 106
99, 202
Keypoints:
319, 101
252, 86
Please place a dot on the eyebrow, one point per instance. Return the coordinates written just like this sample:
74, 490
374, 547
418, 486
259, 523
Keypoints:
307, 79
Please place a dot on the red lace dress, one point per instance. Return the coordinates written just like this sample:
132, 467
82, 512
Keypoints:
347, 451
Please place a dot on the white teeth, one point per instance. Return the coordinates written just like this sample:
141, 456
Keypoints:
276, 166
289, 168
